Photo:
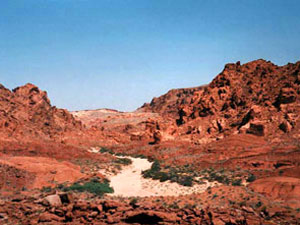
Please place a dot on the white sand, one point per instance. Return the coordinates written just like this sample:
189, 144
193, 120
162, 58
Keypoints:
130, 183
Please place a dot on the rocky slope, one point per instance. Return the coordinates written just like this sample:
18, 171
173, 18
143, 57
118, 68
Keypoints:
139, 127
26, 112
241, 131
168, 103
258, 98
34, 139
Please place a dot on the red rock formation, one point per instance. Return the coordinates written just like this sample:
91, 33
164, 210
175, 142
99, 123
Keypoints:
26, 112
245, 121
168, 103
258, 98
280, 188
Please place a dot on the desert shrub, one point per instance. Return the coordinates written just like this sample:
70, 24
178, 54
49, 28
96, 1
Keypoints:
231, 202
251, 178
104, 150
141, 156
226, 181
172, 174
214, 196
174, 205
60, 186
133, 202
46, 189
243, 203
219, 178
186, 181
209, 190
93, 186
258, 204
123, 161
237, 182
155, 166
163, 176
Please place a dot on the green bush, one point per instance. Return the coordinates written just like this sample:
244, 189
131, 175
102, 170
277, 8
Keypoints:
155, 166
251, 178
46, 189
186, 181
141, 156
93, 186
237, 182
104, 150
214, 196
162, 176
123, 161
133, 202
258, 204
172, 174
219, 178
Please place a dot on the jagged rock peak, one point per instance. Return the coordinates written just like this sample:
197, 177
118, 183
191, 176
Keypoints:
33, 93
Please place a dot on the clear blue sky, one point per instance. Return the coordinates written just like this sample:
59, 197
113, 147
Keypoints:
119, 54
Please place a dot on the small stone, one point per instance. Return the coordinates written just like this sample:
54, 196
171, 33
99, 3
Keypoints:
100, 208
48, 217
110, 219
93, 214
54, 200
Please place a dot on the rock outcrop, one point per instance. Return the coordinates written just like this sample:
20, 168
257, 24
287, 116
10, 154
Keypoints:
26, 112
258, 97
168, 103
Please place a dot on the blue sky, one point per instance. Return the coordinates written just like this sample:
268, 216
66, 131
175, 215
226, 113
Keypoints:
90, 54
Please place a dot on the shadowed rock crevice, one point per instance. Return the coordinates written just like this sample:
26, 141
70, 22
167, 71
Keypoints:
144, 218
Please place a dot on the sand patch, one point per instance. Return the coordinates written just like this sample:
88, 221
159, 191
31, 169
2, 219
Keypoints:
130, 182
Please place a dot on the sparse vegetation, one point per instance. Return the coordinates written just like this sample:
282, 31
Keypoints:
258, 204
174, 205
46, 189
214, 196
104, 150
123, 161
140, 156
223, 176
237, 182
168, 173
251, 178
187, 176
133, 202
93, 186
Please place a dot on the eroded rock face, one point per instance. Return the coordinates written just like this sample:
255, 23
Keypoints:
247, 117
168, 103
282, 188
257, 98
258, 94
26, 112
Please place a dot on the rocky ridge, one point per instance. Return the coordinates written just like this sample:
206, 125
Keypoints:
244, 124
26, 112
